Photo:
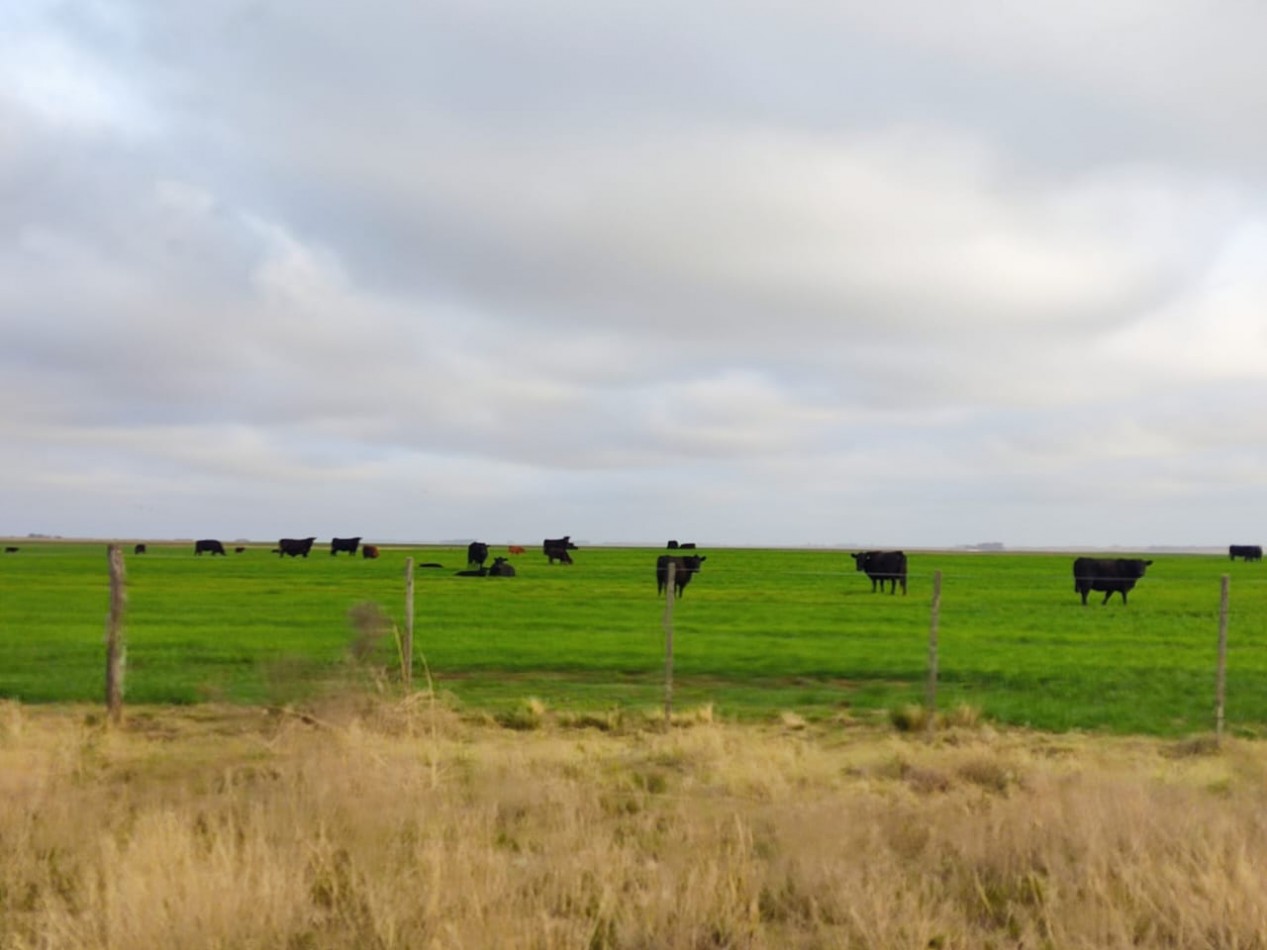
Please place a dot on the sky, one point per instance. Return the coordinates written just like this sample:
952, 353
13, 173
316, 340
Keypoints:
745, 273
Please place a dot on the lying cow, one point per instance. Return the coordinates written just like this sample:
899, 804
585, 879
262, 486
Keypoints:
369, 551
501, 568
1247, 552
476, 554
344, 544
1108, 574
684, 568
556, 549
516, 549
208, 546
295, 547
882, 566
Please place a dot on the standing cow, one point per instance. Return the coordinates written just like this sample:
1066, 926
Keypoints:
1108, 574
882, 566
556, 549
476, 554
208, 546
344, 544
294, 547
684, 568
1247, 552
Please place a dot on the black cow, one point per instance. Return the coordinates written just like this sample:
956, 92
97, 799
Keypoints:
11, 550
556, 549
476, 554
687, 545
139, 549
883, 566
1248, 552
295, 547
208, 546
672, 545
240, 549
344, 544
1109, 574
501, 568
684, 569
369, 551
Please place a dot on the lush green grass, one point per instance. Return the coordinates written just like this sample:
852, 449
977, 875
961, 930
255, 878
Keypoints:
758, 631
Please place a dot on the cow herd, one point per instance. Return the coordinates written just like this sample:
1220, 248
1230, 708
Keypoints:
1106, 575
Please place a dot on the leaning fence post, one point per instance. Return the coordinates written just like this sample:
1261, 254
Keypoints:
116, 648
407, 648
930, 692
1220, 677
668, 645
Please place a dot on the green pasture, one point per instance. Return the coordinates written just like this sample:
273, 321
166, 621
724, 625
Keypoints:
757, 632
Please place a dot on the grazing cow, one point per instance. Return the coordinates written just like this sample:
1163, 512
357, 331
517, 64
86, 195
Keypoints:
139, 549
501, 568
295, 547
684, 569
208, 546
369, 551
239, 549
556, 549
883, 566
516, 549
1248, 552
344, 544
1109, 574
10, 550
476, 554
672, 545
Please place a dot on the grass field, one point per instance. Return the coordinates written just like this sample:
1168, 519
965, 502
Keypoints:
758, 632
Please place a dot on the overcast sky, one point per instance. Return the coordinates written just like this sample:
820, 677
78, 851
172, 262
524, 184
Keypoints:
904, 274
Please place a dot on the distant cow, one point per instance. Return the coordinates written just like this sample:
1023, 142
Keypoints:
556, 549
882, 566
684, 569
344, 544
295, 547
369, 551
1109, 574
476, 554
208, 546
139, 549
516, 549
11, 550
501, 568
687, 545
239, 549
1248, 552
672, 545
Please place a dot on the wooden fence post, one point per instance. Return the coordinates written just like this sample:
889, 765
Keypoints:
116, 648
668, 645
407, 648
930, 693
1220, 677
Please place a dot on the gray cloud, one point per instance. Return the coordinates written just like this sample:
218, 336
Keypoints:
851, 274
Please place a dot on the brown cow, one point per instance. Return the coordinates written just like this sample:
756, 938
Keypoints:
369, 550
516, 549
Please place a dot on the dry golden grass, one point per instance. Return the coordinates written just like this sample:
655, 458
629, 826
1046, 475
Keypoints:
375, 824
